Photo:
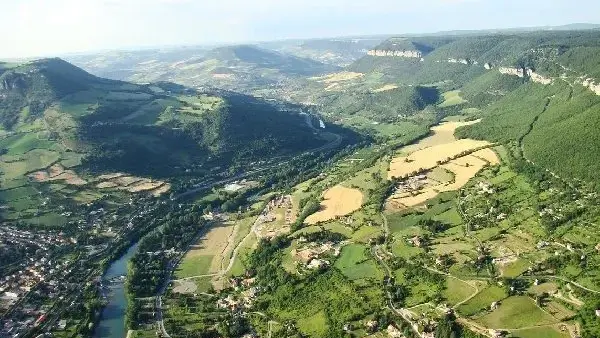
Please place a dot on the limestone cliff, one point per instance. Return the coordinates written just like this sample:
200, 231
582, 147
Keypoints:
520, 72
535, 77
526, 73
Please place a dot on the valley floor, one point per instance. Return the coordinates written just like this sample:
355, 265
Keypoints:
479, 250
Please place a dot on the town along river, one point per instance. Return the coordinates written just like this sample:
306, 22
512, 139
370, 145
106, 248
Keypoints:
112, 319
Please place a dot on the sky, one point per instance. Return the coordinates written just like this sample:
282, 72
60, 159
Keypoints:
35, 28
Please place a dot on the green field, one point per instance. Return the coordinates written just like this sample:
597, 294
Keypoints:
516, 312
457, 291
515, 268
545, 332
354, 263
194, 266
315, 325
482, 300
452, 98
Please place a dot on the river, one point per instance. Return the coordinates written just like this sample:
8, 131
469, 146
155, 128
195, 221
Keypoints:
112, 319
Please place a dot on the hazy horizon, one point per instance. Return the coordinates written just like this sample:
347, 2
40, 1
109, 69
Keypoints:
42, 28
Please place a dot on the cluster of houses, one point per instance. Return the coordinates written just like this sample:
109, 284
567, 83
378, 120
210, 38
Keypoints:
346, 220
244, 300
413, 183
37, 264
284, 202
484, 188
416, 241
43, 281
270, 215
313, 255
39, 274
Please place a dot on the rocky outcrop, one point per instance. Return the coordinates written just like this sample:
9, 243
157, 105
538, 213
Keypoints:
488, 66
463, 61
520, 72
12, 81
535, 77
397, 53
595, 87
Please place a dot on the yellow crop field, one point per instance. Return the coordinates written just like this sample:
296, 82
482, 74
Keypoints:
439, 151
488, 155
338, 201
464, 168
338, 77
441, 134
429, 158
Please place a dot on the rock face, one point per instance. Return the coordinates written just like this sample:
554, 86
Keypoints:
488, 66
398, 53
526, 72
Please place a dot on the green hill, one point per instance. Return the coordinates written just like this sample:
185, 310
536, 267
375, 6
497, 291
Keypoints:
461, 58
159, 130
547, 109
387, 106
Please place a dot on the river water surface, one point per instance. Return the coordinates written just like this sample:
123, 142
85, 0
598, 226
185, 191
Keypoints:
112, 319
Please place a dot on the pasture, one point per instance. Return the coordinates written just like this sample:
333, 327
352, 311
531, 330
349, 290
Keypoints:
355, 263
516, 312
546, 332
458, 291
443, 133
439, 157
482, 300
451, 98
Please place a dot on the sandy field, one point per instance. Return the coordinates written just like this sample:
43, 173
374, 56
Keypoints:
184, 286
163, 189
132, 184
338, 201
385, 88
109, 176
223, 76
144, 185
106, 185
126, 180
